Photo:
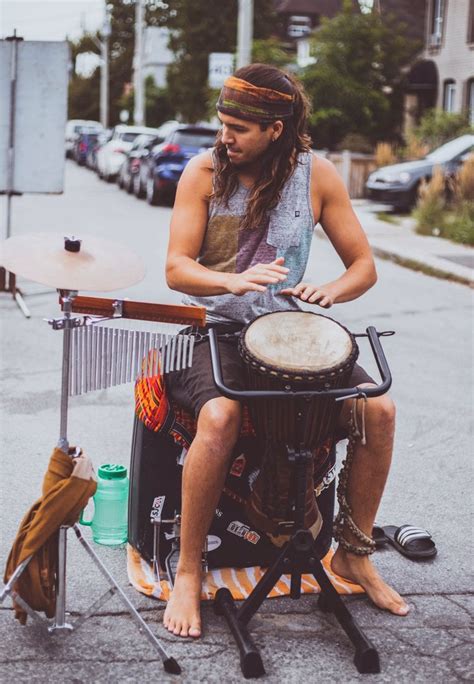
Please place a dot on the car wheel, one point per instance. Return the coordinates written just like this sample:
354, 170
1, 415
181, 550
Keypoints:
129, 185
152, 196
137, 187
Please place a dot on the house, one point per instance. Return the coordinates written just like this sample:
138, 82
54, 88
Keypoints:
299, 18
443, 74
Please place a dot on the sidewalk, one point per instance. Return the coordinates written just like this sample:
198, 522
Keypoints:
399, 242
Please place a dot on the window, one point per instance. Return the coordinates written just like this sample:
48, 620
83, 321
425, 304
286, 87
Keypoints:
470, 100
449, 95
470, 23
437, 18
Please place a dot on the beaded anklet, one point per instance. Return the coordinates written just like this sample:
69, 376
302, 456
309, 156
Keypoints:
344, 516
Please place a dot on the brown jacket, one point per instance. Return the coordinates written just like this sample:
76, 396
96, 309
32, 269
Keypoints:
63, 499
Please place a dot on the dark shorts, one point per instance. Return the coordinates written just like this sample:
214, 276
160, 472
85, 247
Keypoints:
193, 387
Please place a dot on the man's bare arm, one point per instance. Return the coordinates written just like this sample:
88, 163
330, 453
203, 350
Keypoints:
187, 231
331, 203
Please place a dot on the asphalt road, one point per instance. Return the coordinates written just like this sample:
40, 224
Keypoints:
430, 482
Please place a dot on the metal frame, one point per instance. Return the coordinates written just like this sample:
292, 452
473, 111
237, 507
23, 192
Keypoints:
59, 623
297, 555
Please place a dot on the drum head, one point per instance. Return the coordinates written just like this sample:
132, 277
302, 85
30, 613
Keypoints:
298, 341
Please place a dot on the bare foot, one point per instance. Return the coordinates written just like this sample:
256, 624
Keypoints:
360, 569
182, 615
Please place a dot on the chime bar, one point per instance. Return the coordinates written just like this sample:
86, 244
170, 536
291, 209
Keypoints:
145, 311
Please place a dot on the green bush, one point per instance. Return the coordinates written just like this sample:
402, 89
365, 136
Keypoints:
437, 127
459, 223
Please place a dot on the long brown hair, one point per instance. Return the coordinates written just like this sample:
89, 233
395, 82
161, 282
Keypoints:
279, 160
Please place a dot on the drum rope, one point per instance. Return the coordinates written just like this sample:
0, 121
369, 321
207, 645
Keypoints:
344, 516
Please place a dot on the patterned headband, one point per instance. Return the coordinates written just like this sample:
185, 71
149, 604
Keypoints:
245, 101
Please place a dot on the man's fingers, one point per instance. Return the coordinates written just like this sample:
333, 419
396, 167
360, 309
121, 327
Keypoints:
315, 296
262, 278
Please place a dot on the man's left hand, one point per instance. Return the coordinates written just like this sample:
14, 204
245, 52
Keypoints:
310, 293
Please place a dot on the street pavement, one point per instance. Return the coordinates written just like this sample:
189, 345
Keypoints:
430, 482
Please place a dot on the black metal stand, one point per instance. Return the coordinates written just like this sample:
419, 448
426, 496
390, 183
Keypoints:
8, 280
296, 558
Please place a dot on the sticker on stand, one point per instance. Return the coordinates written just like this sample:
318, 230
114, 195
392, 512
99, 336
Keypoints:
240, 530
157, 508
238, 466
213, 542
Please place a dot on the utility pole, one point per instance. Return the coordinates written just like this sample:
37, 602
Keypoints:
105, 33
244, 33
139, 108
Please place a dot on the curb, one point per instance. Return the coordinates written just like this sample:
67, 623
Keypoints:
423, 267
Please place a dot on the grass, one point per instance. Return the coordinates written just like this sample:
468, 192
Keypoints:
388, 218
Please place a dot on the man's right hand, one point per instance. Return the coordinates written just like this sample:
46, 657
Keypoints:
256, 278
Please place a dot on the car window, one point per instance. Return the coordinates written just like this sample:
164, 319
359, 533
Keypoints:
450, 149
198, 139
128, 137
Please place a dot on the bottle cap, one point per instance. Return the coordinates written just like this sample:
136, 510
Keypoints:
112, 471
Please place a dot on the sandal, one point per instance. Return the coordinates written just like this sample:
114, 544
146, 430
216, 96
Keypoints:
379, 537
413, 542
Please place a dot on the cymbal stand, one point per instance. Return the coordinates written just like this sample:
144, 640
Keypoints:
59, 623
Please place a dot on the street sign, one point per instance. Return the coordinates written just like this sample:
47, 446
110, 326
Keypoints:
37, 115
221, 65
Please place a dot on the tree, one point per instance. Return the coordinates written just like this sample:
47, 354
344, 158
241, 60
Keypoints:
199, 28
356, 83
84, 92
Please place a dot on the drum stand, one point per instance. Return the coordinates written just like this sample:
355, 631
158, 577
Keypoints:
67, 323
297, 556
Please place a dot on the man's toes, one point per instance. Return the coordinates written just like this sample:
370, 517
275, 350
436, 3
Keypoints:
195, 631
184, 631
401, 609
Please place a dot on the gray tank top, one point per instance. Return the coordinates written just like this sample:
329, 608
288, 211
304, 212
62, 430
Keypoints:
227, 247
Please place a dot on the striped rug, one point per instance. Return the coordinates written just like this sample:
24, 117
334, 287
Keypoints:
239, 581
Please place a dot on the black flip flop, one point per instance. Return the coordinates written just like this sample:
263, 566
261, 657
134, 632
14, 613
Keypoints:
413, 542
379, 537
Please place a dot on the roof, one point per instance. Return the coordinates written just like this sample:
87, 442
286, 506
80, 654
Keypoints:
326, 8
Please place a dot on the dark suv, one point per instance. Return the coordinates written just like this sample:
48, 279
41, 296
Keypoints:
163, 166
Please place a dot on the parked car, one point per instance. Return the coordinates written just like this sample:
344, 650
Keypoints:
129, 171
86, 139
73, 126
140, 167
91, 157
110, 156
398, 184
163, 167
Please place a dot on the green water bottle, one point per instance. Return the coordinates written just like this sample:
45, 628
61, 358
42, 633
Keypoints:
109, 524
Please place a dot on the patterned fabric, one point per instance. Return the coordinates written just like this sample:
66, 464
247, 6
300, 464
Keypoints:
245, 101
239, 581
156, 412
229, 248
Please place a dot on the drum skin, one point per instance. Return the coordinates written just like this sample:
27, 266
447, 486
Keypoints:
296, 350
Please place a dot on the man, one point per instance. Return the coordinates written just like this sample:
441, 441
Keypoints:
239, 244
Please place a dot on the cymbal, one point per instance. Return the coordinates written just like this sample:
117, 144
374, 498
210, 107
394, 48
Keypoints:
67, 263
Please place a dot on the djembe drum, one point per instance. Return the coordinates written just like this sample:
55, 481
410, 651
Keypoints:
290, 351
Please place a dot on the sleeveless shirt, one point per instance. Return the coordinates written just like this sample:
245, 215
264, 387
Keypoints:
227, 247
